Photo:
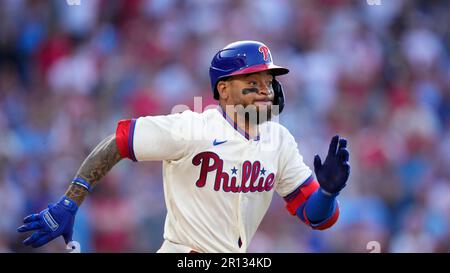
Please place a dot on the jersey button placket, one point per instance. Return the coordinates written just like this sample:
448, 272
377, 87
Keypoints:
249, 147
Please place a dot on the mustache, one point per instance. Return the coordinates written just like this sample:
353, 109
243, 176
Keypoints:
246, 91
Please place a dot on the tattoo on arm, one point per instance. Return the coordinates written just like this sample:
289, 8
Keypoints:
95, 166
76, 193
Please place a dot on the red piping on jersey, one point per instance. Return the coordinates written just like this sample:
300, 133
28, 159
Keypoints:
124, 138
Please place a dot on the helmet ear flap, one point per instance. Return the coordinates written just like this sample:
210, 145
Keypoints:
278, 95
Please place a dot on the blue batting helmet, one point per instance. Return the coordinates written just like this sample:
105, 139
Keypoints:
242, 57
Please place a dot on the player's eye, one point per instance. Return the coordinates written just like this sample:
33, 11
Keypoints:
253, 83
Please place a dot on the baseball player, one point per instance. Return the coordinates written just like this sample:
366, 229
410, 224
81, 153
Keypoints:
220, 167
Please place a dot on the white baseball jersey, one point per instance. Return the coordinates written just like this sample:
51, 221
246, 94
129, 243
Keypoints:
218, 180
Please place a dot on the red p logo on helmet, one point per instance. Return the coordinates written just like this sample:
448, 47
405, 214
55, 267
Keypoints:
265, 51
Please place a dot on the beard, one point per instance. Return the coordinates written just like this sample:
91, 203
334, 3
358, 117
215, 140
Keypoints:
254, 114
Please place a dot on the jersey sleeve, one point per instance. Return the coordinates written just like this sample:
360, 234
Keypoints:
296, 181
154, 137
293, 171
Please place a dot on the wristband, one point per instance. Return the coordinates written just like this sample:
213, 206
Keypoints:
81, 182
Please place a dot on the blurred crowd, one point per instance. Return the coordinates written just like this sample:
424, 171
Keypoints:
378, 75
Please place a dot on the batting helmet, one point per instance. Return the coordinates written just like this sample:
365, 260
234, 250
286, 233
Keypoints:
245, 57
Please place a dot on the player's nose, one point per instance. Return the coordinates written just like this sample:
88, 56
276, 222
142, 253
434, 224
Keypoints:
265, 90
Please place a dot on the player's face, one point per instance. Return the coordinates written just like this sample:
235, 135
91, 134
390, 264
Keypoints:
254, 92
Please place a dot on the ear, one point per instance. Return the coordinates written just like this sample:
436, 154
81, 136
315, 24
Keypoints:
224, 89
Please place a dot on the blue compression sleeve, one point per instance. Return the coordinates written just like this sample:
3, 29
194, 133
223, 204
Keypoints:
319, 206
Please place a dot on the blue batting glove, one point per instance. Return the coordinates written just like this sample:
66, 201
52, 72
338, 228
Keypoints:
334, 172
58, 219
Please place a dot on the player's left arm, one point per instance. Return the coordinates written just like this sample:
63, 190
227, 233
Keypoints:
314, 202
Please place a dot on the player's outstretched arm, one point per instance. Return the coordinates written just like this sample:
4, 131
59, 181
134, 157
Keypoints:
94, 167
58, 219
314, 202
321, 209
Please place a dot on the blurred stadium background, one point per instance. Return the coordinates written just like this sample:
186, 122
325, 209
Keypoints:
377, 75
